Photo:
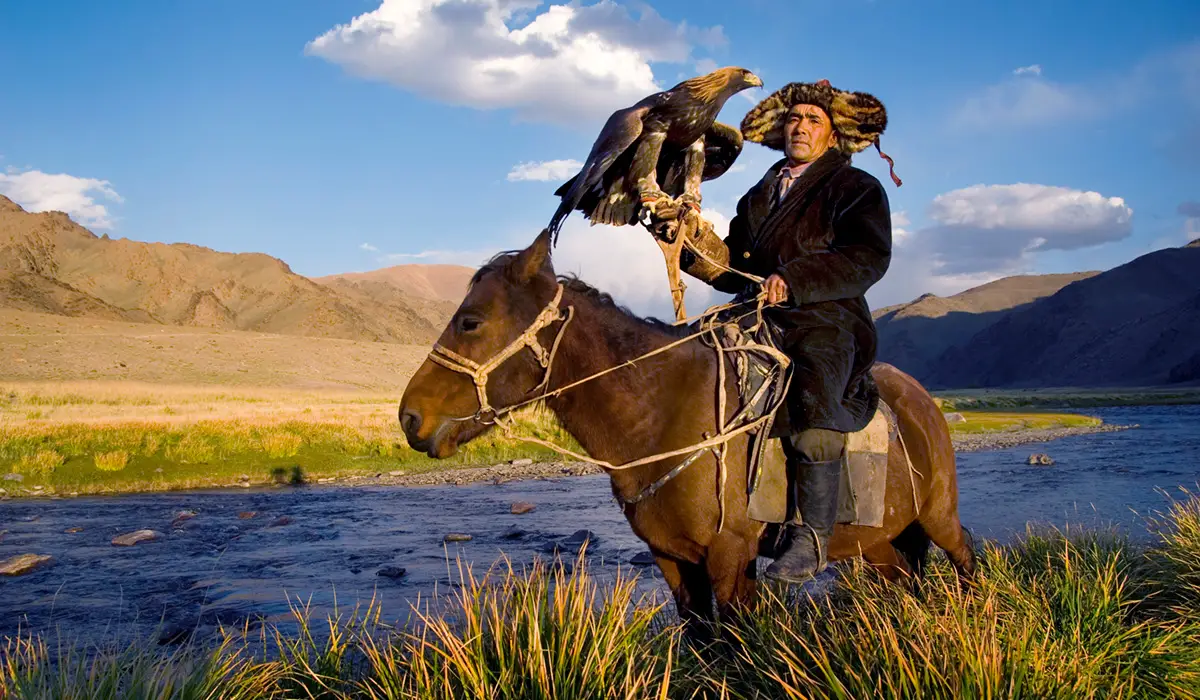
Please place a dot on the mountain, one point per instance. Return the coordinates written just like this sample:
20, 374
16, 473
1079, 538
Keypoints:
436, 282
434, 291
915, 335
1136, 324
50, 264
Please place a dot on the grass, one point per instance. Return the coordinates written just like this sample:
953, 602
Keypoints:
1055, 615
999, 421
1017, 399
103, 439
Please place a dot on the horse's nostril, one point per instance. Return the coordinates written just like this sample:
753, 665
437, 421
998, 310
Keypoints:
410, 421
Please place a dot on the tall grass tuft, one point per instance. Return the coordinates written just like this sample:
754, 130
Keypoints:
112, 461
39, 463
280, 444
551, 634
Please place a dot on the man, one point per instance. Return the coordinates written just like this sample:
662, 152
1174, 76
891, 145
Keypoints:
819, 231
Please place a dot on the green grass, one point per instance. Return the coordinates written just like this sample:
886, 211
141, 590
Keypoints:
998, 421
143, 455
1056, 615
1016, 399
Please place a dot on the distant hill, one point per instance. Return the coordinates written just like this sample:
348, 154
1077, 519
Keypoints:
50, 264
914, 336
1136, 324
435, 282
434, 291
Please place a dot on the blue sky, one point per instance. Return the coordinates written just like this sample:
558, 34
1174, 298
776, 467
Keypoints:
1031, 136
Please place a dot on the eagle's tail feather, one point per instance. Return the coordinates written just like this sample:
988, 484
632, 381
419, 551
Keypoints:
560, 215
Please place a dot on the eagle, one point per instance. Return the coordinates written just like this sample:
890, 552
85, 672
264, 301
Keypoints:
660, 148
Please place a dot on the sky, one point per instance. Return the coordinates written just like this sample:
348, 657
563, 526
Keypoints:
349, 135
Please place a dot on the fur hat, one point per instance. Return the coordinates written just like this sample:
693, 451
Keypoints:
858, 117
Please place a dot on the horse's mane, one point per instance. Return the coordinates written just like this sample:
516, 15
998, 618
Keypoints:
604, 300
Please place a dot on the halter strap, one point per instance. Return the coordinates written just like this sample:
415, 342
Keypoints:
479, 372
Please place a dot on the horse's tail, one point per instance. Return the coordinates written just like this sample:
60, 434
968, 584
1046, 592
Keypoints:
913, 543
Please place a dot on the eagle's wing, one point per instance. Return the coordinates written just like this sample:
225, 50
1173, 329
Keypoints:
619, 133
722, 146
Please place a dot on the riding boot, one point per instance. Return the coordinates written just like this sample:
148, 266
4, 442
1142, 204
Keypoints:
816, 490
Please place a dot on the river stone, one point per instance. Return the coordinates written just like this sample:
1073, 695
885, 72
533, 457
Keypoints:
522, 462
396, 473
1041, 459
14, 477
522, 507
2, 534
514, 533
392, 572
73, 530
955, 418
132, 538
23, 564
457, 537
327, 480
183, 516
642, 559
580, 536
247, 514
281, 521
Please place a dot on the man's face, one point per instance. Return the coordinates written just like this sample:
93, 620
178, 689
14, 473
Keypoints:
807, 134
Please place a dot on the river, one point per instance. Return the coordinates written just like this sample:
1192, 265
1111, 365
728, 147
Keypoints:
223, 567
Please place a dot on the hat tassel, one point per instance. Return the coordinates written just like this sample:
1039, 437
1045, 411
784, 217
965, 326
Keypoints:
891, 164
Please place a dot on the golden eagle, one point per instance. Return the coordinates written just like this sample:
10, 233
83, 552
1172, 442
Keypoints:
663, 146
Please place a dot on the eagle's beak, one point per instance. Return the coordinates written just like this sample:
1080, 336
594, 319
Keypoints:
753, 80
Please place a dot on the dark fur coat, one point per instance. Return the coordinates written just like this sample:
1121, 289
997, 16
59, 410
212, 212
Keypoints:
830, 239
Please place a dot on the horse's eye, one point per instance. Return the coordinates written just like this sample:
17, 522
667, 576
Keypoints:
468, 324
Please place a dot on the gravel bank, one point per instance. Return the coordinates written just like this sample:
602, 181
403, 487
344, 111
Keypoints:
1002, 440
549, 470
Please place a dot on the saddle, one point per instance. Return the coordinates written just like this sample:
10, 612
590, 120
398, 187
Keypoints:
761, 383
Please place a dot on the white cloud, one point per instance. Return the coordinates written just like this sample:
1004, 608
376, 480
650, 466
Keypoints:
569, 61
36, 191
900, 233
982, 233
1035, 69
545, 171
625, 262
998, 227
369, 248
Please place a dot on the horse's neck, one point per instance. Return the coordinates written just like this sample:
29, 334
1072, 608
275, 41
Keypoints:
626, 414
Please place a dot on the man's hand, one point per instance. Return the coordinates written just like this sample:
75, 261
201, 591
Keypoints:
777, 289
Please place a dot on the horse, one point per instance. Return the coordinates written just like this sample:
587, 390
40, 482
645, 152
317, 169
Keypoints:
522, 332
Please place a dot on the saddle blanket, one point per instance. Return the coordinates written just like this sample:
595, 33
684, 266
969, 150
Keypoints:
861, 498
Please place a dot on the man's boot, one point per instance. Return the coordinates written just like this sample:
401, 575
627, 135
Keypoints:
816, 490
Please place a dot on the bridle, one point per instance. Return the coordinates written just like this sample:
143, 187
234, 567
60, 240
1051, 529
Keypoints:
741, 423
479, 372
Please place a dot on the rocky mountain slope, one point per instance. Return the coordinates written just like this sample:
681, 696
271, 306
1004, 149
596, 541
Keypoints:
50, 264
1136, 325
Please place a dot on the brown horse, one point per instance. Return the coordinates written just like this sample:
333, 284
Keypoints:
508, 323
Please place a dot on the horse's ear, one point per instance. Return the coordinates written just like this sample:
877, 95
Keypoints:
534, 259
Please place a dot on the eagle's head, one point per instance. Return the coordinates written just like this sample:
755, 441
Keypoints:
722, 83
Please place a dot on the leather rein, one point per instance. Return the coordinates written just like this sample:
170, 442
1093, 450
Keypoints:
552, 313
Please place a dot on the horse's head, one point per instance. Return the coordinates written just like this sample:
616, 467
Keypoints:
501, 334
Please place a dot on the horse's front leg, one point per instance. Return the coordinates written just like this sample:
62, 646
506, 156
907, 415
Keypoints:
731, 565
693, 593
